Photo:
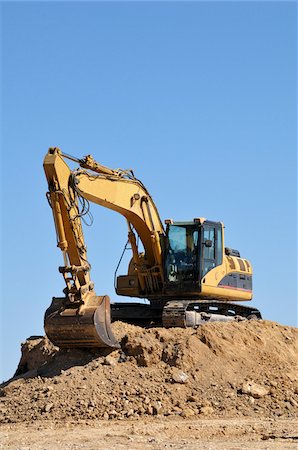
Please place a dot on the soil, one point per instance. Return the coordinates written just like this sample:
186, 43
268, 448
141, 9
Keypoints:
222, 385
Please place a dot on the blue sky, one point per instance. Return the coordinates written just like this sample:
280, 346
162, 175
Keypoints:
198, 98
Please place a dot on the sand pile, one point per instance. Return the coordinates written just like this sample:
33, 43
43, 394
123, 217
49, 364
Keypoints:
218, 370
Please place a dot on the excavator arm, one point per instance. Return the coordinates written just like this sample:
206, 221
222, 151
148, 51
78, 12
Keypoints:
82, 318
67, 217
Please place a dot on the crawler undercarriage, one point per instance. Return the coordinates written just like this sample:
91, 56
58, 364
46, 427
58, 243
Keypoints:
181, 313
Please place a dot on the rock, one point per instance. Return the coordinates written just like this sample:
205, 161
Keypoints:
47, 408
157, 408
192, 398
48, 389
129, 413
254, 389
294, 403
146, 400
206, 403
122, 358
187, 412
178, 376
206, 410
113, 414
149, 410
109, 361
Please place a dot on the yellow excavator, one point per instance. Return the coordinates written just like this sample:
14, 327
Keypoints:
184, 270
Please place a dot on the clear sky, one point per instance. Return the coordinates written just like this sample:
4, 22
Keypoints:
198, 98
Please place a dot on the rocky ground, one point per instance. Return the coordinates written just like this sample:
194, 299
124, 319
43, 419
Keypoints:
237, 376
152, 433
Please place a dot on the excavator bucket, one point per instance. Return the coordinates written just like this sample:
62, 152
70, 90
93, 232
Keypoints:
88, 325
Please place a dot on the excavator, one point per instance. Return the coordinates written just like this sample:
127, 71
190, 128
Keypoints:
184, 271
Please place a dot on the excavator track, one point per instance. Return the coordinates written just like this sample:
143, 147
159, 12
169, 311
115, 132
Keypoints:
190, 313
173, 314
181, 313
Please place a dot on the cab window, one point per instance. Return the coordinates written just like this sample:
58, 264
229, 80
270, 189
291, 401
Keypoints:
209, 249
212, 248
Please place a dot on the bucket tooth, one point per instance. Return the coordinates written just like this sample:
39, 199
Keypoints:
88, 325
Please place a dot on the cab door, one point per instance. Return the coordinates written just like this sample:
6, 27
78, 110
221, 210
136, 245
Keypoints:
211, 247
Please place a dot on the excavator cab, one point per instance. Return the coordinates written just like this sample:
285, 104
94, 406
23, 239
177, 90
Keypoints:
192, 250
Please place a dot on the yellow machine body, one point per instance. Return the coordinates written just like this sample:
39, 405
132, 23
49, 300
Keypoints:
198, 268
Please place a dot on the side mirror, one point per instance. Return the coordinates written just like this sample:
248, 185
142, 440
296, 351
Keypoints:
208, 243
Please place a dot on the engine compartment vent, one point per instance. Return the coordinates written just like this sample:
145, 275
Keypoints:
232, 252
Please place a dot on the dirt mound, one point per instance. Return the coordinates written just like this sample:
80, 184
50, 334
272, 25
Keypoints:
217, 370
